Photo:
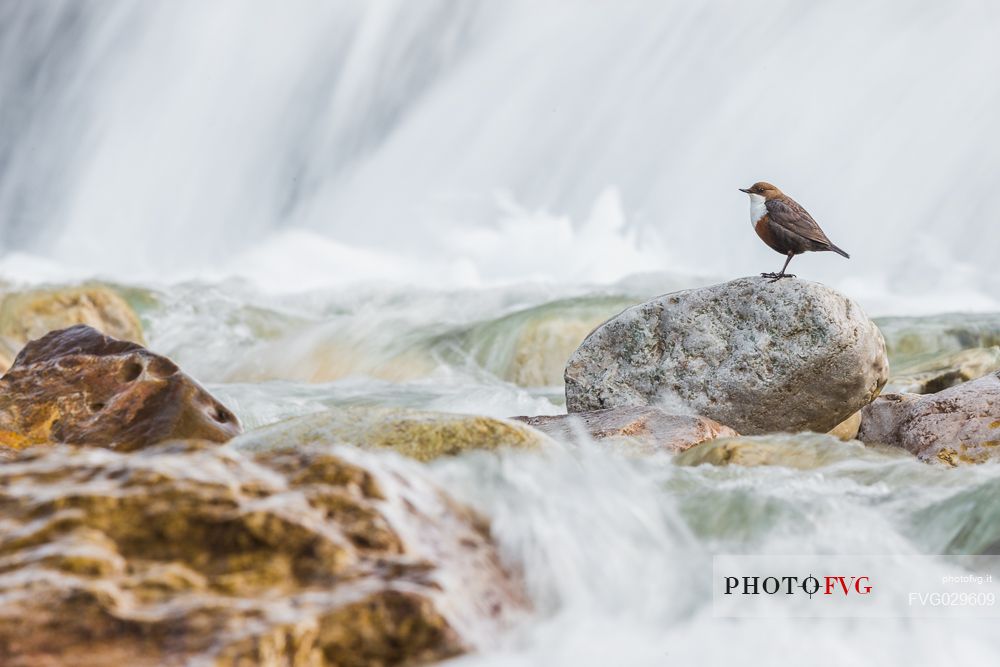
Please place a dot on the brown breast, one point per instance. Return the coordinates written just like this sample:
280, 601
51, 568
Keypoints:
763, 229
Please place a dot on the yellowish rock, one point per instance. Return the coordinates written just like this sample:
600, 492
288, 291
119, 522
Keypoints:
420, 435
543, 347
803, 451
318, 355
189, 553
530, 347
847, 429
30, 314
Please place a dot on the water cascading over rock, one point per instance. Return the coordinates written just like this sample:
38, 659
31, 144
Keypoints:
645, 429
192, 553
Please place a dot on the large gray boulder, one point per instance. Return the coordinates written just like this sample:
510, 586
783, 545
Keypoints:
956, 426
756, 355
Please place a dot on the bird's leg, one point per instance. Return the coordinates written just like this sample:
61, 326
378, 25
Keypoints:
778, 276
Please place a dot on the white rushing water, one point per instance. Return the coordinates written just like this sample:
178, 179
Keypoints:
310, 143
422, 204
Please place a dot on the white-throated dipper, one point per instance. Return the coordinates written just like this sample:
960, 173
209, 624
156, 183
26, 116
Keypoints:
785, 226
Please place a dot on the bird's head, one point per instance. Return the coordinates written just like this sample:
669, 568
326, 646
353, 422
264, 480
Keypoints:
762, 189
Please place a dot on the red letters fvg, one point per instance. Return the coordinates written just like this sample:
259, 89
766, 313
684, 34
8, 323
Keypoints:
845, 584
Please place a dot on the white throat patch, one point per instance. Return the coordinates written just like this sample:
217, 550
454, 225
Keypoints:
757, 208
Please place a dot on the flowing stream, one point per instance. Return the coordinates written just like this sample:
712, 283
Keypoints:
317, 204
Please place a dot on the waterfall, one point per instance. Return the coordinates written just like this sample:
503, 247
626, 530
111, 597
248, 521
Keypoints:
186, 138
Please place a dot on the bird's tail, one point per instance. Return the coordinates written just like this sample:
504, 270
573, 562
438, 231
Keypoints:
839, 251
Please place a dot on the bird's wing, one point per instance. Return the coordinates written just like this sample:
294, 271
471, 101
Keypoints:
789, 216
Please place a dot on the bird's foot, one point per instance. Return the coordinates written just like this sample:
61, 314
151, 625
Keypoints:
775, 277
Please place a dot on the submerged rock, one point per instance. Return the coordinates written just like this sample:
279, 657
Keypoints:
324, 354
909, 338
541, 350
190, 553
803, 451
27, 315
956, 426
651, 429
78, 386
936, 374
756, 355
420, 435
530, 347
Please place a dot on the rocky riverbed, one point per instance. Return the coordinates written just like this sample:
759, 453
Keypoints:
206, 475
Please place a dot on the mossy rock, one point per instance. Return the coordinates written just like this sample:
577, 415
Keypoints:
802, 451
420, 435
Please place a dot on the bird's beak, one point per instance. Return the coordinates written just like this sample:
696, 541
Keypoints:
746, 190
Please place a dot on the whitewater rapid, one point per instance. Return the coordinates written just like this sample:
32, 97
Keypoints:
319, 204
615, 552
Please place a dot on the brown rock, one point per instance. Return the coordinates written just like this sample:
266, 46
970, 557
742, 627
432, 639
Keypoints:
652, 428
956, 426
78, 386
190, 553
31, 314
